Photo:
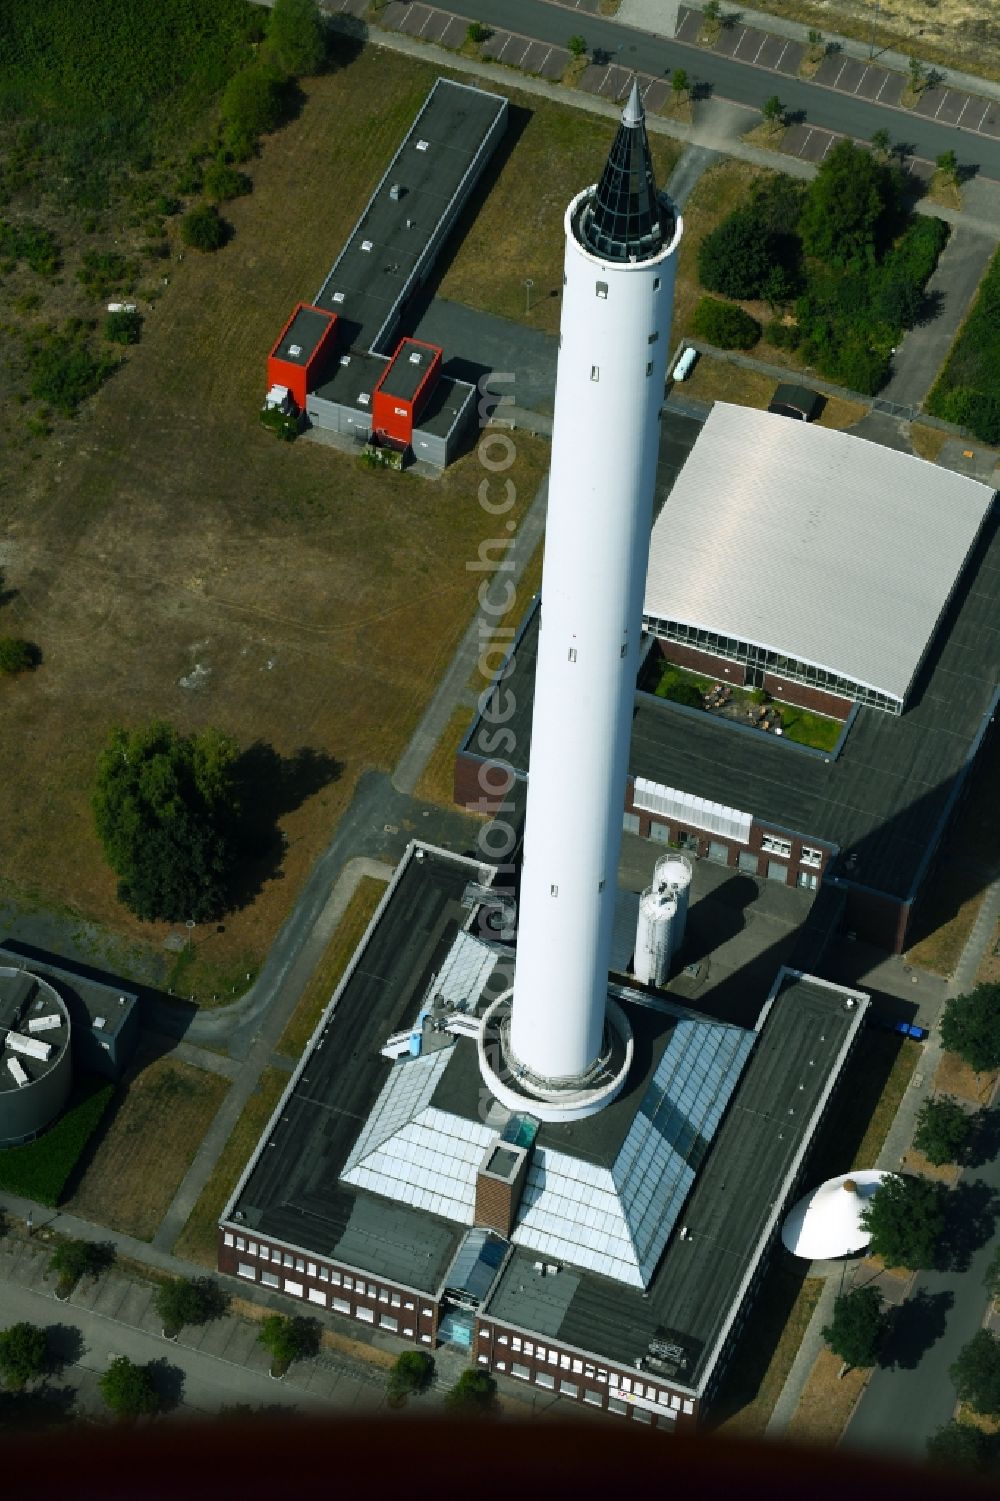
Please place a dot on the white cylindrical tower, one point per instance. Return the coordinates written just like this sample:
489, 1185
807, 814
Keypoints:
674, 873
621, 252
655, 935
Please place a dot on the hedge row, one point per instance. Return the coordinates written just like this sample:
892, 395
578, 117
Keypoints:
967, 389
40, 1169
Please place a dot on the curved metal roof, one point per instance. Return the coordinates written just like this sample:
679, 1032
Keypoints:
814, 544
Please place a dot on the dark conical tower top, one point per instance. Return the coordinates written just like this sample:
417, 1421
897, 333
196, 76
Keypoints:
626, 220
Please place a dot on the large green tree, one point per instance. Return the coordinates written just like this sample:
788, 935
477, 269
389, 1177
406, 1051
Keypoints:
976, 1374
858, 1326
848, 207
287, 1339
188, 1300
737, 258
961, 1446
473, 1394
296, 37
905, 1218
128, 1389
167, 811
943, 1128
22, 1354
970, 1027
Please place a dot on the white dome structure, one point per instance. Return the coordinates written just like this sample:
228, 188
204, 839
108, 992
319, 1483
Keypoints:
827, 1222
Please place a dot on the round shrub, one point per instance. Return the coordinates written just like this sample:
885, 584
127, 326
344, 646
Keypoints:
783, 335
725, 325
223, 182
254, 101
16, 655
202, 228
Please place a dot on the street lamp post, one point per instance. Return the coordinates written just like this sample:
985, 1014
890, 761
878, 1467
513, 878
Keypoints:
871, 49
528, 284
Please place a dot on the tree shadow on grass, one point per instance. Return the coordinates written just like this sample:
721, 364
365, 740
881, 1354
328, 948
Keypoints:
168, 1381
971, 1211
272, 785
917, 1324
64, 1345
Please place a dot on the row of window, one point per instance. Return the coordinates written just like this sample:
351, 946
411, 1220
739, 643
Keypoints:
286, 1260
748, 860
338, 1304
771, 661
578, 1367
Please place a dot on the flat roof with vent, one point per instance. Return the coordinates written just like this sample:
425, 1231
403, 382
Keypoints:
400, 225
813, 548
299, 341
408, 369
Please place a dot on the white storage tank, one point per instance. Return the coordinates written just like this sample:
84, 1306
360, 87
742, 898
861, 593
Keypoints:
655, 936
675, 873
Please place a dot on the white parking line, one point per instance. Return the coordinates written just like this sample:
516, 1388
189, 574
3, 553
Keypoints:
970, 100
861, 80
764, 42
836, 81
827, 146
941, 105
884, 82
805, 143
429, 18
544, 60
781, 56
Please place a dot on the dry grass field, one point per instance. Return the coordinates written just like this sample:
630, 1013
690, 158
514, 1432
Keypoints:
326, 976
715, 379
197, 1240
517, 234
437, 781
827, 1402
147, 1146
952, 33
165, 531
954, 1076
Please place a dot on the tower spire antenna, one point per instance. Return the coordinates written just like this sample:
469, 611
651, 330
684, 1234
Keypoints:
633, 114
626, 219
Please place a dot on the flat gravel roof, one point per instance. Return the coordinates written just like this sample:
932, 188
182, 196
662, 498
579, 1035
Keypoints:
375, 269
815, 544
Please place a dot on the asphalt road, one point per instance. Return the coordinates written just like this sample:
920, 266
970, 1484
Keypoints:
738, 81
911, 1394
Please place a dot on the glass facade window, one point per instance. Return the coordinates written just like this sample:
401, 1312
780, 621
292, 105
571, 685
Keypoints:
324, 1274
247, 1271
771, 661
808, 880
522, 1372
366, 1315
295, 1288
544, 1379
227, 1238
569, 1389
270, 1279
341, 1305
595, 1399
316, 1296
811, 855
386, 1321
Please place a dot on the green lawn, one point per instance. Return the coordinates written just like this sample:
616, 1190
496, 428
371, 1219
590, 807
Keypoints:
816, 730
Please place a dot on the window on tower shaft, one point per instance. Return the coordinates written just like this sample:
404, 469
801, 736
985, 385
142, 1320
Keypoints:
595, 373
602, 289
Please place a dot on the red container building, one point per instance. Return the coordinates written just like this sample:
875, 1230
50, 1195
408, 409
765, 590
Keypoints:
403, 389
302, 351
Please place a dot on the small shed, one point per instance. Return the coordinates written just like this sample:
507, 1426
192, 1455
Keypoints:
795, 401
